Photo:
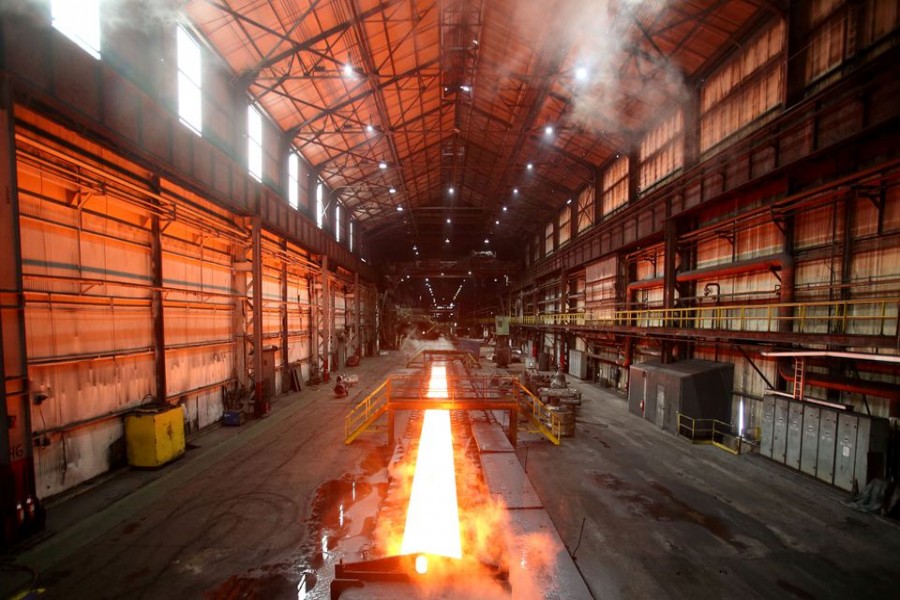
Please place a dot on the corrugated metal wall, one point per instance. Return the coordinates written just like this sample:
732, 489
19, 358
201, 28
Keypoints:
89, 219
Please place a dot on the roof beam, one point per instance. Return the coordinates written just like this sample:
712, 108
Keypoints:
310, 42
362, 96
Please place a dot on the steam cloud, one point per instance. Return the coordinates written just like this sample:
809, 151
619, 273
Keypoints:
627, 79
115, 14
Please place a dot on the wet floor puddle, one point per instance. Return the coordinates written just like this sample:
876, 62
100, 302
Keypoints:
340, 522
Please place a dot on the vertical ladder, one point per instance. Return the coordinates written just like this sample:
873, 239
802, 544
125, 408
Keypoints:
799, 378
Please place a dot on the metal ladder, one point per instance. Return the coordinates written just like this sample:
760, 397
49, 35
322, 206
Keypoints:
799, 378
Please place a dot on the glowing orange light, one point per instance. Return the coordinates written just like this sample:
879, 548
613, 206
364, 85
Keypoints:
432, 519
437, 385
421, 564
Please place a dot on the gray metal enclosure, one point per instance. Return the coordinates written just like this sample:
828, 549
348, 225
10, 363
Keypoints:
699, 389
810, 450
767, 429
837, 447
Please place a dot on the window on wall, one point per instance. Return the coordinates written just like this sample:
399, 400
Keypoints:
615, 186
565, 221
337, 222
350, 237
190, 98
78, 21
746, 87
839, 30
548, 238
585, 209
293, 179
320, 207
254, 142
662, 150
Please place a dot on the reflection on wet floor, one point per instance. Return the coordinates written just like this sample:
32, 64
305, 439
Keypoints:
339, 527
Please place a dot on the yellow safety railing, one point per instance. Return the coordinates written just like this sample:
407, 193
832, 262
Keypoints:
862, 317
544, 420
364, 414
709, 431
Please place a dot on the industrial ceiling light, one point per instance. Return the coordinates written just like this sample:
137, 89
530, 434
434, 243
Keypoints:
393, 190
569, 201
447, 240
487, 241
504, 209
369, 128
497, 222
382, 165
529, 166
548, 130
451, 190
399, 208
448, 220
515, 191
581, 73
348, 69
466, 88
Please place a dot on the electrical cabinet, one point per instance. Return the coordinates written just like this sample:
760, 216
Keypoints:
810, 445
794, 435
779, 435
767, 427
827, 437
845, 455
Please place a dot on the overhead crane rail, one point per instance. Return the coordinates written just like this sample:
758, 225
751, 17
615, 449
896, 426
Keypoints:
405, 392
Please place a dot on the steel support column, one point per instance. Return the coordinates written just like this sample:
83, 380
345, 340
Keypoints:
285, 379
326, 321
669, 281
156, 300
313, 326
261, 396
357, 302
20, 514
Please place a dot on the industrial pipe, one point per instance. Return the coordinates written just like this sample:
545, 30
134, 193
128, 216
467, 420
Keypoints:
781, 261
844, 384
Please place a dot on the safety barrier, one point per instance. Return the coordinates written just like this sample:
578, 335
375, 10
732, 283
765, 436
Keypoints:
363, 415
430, 354
543, 419
709, 431
494, 392
860, 317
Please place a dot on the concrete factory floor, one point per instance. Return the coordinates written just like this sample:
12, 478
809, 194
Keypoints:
265, 509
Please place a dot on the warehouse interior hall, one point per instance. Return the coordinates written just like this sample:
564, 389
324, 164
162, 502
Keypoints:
449, 298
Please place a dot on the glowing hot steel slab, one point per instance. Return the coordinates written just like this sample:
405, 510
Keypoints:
432, 519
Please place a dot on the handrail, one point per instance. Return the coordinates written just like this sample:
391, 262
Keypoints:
709, 431
537, 412
877, 316
368, 410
